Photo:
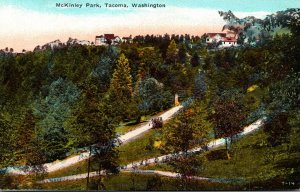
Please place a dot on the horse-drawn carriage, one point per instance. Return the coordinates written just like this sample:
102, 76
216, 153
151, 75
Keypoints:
157, 122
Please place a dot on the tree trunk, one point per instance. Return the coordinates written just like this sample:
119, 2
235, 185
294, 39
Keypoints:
138, 120
89, 164
100, 183
227, 150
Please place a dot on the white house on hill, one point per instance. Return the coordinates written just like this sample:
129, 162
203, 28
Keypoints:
214, 37
228, 42
107, 39
127, 39
224, 39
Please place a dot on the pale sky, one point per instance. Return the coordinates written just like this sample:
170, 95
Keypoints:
27, 23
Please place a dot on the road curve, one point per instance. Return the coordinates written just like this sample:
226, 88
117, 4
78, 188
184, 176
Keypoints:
133, 166
211, 145
145, 127
57, 165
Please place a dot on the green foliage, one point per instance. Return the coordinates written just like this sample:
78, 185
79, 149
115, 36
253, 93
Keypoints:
7, 145
151, 64
74, 62
127, 154
288, 18
92, 124
188, 129
225, 59
102, 73
228, 116
200, 85
277, 129
128, 151
182, 53
51, 112
154, 183
284, 94
73, 96
92, 120
121, 83
9, 76
29, 146
253, 160
144, 182
186, 165
172, 53
195, 60
152, 96
121, 89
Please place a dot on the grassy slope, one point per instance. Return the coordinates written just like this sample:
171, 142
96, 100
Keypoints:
139, 149
251, 159
261, 166
130, 152
247, 159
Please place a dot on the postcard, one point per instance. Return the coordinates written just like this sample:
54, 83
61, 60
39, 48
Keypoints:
149, 95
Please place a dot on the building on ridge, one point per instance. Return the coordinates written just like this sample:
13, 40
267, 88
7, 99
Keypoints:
107, 39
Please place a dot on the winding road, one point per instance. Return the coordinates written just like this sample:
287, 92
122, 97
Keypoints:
131, 135
211, 145
133, 166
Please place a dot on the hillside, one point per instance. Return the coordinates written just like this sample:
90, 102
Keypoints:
61, 101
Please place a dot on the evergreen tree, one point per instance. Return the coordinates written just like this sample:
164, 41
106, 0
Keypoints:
195, 60
172, 53
30, 148
92, 125
51, 112
152, 97
103, 72
121, 89
25, 133
151, 64
182, 53
200, 85
7, 151
121, 83
7, 145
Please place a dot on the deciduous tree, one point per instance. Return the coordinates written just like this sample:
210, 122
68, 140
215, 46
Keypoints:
228, 116
188, 129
